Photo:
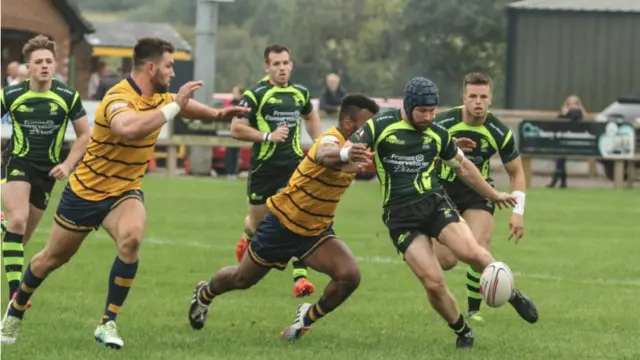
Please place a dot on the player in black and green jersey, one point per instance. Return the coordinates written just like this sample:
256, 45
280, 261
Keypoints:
40, 110
482, 136
406, 144
273, 125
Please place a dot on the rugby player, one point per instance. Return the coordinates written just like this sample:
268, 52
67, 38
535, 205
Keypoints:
273, 125
105, 187
40, 109
406, 144
481, 135
300, 224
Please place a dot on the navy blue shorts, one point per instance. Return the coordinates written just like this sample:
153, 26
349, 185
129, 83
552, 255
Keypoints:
273, 245
80, 215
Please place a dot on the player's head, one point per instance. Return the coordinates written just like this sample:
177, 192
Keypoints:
40, 55
153, 58
420, 102
476, 94
277, 64
355, 110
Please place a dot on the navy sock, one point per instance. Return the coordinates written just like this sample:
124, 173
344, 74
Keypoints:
28, 286
120, 281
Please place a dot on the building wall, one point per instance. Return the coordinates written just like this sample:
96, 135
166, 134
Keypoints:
554, 54
38, 17
81, 52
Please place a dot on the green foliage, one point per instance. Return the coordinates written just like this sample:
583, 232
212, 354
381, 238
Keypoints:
375, 45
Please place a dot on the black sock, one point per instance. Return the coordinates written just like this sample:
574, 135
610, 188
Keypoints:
460, 327
474, 298
299, 270
13, 258
120, 281
28, 286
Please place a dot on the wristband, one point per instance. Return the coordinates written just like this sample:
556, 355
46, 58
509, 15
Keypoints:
344, 154
266, 137
170, 111
519, 208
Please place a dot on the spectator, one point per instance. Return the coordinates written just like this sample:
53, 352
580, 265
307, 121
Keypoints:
23, 73
106, 82
94, 80
12, 73
232, 154
572, 110
332, 95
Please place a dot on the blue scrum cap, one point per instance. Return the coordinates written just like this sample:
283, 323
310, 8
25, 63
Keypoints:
419, 92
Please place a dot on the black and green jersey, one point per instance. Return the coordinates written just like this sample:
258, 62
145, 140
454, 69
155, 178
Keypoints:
39, 121
271, 107
491, 137
405, 158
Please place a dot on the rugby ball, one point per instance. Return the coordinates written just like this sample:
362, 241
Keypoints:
496, 284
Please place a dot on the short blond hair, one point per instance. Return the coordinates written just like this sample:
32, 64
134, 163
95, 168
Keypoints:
40, 42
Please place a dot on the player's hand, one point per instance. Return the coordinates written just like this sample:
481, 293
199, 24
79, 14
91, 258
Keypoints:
516, 227
280, 134
359, 154
465, 144
186, 92
60, 171
504, 200
230, 112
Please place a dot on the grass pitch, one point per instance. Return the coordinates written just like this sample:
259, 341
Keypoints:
578, 261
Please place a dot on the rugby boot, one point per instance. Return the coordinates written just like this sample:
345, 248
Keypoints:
297, 329
10, 327
303, 287
198, 310
241, 248
107, 334
465, 341
524, 306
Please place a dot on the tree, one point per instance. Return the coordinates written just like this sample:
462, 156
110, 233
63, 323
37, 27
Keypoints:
454, 37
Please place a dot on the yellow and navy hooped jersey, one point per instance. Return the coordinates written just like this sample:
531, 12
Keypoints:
39, 121
112, 165
492, 137
271, 107
308, 204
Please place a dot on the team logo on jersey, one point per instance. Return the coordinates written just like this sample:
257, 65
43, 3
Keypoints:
392, 139
53, 108
274, 101
484, 145
24, 108
426, 142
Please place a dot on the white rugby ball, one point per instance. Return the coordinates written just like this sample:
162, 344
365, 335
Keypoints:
496, 284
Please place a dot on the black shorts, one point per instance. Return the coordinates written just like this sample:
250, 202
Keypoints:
266, 180
273, 245
77, 214
465, 199
427, 216
41, 183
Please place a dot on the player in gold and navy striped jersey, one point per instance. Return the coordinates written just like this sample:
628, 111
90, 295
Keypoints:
300, 224
105, 190
273, 125
482, 135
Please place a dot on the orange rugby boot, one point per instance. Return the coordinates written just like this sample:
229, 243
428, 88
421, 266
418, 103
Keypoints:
303, 287
241, 248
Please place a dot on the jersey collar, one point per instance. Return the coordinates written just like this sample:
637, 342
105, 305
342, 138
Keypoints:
133, 85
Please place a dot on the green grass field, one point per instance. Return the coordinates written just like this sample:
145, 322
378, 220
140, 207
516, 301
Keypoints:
578, 261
